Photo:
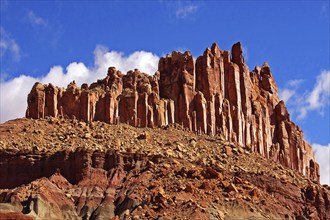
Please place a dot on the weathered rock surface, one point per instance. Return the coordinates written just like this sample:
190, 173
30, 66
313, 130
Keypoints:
216, 95
67, 169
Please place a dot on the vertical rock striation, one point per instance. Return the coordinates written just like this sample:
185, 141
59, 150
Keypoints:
217, 95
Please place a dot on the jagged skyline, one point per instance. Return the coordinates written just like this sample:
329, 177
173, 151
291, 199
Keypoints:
289, 33
215, 94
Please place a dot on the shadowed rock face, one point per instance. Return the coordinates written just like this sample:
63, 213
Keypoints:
88, 184
217, 95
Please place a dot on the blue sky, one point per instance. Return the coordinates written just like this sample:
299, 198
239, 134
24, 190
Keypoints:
61, 41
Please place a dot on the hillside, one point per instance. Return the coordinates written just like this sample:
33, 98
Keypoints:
73, 170
199, 139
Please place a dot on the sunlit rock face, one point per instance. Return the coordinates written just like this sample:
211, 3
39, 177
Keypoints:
217, 94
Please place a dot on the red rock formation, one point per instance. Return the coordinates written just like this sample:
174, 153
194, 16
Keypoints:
69, 169
217, 95
96, 175
87, 184
177, 82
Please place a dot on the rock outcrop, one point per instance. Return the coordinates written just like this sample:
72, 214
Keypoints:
85, 184
217, 95
56, 168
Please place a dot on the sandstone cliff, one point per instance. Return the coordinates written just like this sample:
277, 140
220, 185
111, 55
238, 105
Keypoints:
216, 95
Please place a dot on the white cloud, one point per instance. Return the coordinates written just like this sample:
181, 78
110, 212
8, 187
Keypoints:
142, 60
290, 90
13, 93
319, 97
295, 83
321, 92
8, 44
13, 96
185, 11
286, 94
322, 156
35, 20
314, 100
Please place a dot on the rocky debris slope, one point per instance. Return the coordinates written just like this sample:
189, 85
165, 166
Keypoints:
217, 94
67, 169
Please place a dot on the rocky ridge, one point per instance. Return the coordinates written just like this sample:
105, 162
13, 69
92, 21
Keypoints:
217, 95
56, 168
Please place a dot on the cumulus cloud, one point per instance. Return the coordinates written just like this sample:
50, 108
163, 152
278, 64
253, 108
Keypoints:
319, 97
13, 93
321, 92
322, 156
35, 20
314, 100
142, 60
8, 44
185, 11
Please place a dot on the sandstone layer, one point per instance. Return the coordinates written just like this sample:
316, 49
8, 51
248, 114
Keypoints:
67, 169
217, 95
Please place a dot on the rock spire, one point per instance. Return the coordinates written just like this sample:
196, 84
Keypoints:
217, 94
